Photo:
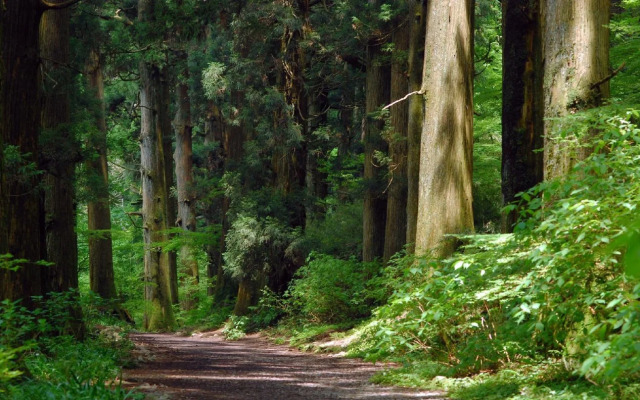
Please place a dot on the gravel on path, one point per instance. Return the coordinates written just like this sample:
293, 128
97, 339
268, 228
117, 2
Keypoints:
205, 366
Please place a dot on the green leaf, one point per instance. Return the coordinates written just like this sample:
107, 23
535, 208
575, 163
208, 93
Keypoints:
632, 257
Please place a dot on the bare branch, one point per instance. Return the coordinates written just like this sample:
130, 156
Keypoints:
403, 99
608, 78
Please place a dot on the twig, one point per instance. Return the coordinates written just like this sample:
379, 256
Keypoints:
608, 78
403, 99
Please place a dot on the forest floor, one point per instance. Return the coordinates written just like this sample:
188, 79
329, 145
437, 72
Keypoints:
206, 366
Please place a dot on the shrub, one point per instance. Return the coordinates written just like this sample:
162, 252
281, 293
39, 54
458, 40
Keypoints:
329, 289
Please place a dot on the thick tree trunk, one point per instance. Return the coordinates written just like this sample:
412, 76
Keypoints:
4, 240
375, 201
415, 115
396, 224
522, 103
576, 58
184, 181
23, 228
445, 198
101, 277
157, 272
59, 154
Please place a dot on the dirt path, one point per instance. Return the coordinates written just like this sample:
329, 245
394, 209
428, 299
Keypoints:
208, 367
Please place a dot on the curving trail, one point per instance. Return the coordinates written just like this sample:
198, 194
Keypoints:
208, 367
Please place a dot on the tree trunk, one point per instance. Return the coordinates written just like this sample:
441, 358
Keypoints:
521, 102
158, 275
396, 224
576, 58
184, 180
445, 198
375, 201
415, 115
24, 219
101, 277
59, 154
171, 204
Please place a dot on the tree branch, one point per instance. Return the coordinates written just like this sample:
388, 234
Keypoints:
48, 5
608, 78
403, 99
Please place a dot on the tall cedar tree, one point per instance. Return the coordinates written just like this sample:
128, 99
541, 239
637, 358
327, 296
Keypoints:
186, 218
375, 201
396, 224
59, 153
23, 220
521, 101
446, 165
416, 114
101, 277
576, 65
157, 270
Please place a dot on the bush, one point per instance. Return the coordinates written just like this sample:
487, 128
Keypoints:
330, 290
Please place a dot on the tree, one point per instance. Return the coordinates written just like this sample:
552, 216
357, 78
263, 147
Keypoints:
23, 220
157, 270
576, 71
375, 202
521, 101
60, 153
186, 218
445, 198
101, 277
396, 223
418, 14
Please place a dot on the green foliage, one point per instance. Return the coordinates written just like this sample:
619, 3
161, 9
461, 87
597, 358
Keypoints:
236, 327
339, 233
329, 290
38, 361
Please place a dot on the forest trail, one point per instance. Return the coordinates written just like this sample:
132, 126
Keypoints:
205, 366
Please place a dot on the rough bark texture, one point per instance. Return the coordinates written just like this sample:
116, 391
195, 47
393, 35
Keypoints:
396, 224
159, 314
184, 180
576, 56
19, 122
101, 278
4, 241
415, 115
375, 200
445, 198
59, 154
522, 103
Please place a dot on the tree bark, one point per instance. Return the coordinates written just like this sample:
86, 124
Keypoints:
415, 115
157, 272
522, 103
184, 179
375, 201
396, 224
59, 154
23, 227
101, 276
445, 198
576, 56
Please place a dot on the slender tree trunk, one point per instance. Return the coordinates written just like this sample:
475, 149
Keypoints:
23, 227
416, 115
171, 204
445, 198
101, 277
184, 179
576, 59
375, 201
59, 154
158, 275
521, 102
4, 221
396, 224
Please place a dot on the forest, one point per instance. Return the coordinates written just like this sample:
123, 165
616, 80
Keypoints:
451, 186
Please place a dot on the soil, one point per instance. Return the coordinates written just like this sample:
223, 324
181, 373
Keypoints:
205, 366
